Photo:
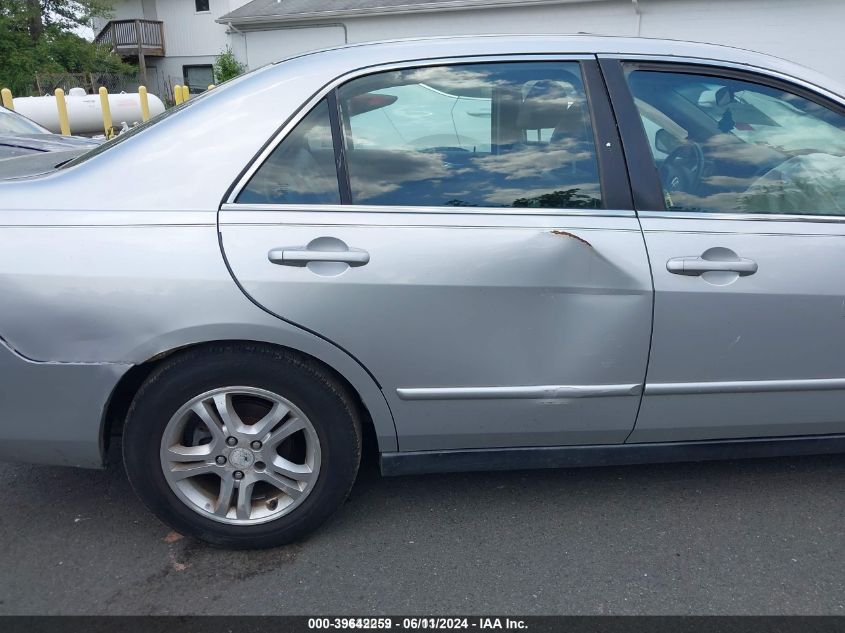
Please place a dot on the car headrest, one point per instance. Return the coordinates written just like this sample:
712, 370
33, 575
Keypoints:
548, 103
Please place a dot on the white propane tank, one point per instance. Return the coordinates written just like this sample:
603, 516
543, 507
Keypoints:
84, 111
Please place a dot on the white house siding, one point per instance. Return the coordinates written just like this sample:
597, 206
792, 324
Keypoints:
804, 31
126, 10
191, 38
150, 9
808, 32
192, 34
264, 47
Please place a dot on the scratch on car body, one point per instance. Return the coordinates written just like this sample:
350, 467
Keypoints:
572, 235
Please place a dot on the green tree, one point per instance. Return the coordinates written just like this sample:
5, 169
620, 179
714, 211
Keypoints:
64, 15
37, 36
227, 66
563, 199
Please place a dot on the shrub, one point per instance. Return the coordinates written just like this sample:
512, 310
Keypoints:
227, 66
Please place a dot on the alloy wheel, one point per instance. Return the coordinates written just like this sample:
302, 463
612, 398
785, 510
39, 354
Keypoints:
240, 455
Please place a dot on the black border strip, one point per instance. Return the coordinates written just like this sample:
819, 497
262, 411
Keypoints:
424, 462
426, 621
339, 143
645, 181
613, 173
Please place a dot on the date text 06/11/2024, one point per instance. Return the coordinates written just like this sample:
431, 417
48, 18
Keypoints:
417, 623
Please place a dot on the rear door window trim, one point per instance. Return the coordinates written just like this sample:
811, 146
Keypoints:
613, 177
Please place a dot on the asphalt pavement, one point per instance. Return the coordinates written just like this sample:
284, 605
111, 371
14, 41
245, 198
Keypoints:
742, 537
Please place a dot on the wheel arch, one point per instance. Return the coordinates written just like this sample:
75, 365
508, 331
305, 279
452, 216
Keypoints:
375, 412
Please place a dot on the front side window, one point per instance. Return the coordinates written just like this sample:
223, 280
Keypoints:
201, 6
480, 135
731, 146
302, 169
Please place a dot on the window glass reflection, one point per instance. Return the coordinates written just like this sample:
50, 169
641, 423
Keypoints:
301, 170
723, 145
482, 135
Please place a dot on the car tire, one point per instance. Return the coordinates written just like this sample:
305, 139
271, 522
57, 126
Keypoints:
264, 498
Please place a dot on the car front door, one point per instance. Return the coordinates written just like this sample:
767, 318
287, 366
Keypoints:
741, 196
450, 227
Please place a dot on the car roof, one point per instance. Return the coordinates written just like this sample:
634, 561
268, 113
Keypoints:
529, 42
410, 49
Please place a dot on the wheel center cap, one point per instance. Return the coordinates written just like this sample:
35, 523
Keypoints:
241, 458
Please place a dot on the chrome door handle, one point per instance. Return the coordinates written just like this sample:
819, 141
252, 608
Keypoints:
694, 266
294, 256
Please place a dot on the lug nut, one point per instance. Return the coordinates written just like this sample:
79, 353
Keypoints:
231, 441
256, 445
238, 475
221, 461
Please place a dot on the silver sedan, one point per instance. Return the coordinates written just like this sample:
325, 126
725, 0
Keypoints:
487, 252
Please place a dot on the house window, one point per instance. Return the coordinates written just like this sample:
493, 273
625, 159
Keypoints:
202, 6
198, 78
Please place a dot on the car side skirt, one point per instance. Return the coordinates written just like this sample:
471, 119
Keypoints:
423, 462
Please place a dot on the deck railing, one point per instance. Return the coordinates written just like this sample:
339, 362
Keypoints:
131, 37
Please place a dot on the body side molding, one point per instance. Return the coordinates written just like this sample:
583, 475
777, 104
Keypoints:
743, 386
543, 392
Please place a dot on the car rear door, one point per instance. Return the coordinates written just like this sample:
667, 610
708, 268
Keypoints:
740, 188
465, 231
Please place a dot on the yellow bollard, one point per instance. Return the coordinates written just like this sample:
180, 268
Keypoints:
7, 99
104, 104
186, 93
61, 106
177, 94
211, 87
145, 103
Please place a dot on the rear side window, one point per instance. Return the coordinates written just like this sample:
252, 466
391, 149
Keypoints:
726, 145
481, 135
301, 170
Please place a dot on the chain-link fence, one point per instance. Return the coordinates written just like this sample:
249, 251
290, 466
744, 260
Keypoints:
46, 83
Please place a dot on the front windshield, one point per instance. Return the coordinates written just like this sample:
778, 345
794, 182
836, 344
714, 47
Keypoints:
12, 123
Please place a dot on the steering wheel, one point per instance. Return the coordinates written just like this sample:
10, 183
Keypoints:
681, 170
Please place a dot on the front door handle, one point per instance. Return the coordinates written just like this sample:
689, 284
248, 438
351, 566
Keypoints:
298, 256
695, 266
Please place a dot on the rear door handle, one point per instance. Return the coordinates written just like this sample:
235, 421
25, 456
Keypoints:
298, 256
695, 266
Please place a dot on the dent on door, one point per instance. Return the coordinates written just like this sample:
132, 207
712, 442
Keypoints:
483, 331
